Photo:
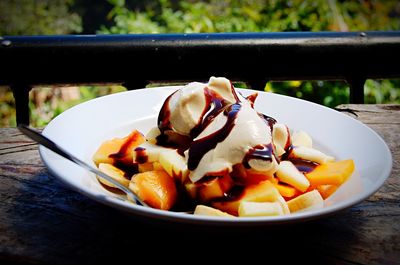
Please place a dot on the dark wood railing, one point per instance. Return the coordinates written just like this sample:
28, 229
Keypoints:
135, 60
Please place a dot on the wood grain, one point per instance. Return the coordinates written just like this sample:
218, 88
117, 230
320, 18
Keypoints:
44, 222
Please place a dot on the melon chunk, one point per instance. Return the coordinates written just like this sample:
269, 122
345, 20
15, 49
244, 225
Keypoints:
331, 173
264, 191
119, 149
156, 188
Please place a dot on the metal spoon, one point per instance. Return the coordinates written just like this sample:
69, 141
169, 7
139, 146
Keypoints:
46, 142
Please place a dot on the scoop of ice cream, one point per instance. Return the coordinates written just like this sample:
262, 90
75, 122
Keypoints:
236, 135
185, 109
223, 128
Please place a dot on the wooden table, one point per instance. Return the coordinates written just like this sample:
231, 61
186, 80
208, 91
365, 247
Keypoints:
44, 222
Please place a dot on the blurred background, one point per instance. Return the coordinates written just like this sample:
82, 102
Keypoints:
44, 17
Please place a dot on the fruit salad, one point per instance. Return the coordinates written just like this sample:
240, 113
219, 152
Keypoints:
212, 153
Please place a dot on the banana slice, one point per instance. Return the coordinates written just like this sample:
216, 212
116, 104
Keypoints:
301, 138
174, 164
307, 201
310, 154
147, 151
205, 210
152, 135
280, 137
288, 173
252, 209
113, 172
283, 204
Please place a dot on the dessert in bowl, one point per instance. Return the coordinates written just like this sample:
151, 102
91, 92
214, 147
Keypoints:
212, 152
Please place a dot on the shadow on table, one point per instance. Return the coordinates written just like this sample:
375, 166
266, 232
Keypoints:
50, 224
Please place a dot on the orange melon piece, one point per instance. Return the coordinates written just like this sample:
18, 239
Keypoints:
248, 176
214, 188
255, 177
331, 173
264, 191
156, 188
118, 149
327, 190
285, 190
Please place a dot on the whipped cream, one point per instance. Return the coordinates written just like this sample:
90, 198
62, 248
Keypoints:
233, 137
224, 128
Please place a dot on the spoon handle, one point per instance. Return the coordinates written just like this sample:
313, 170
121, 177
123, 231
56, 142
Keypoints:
46, 142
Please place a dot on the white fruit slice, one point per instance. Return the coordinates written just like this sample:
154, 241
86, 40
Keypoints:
114, 173
307, 201
174, 164
288, 173
157, 166
150, 150
252, 209
148, 166
152, 135
265, 166
310, 154
280, 137
283, 204
301, 138
205, 210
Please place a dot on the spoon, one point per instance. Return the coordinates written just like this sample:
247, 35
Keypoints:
46, 142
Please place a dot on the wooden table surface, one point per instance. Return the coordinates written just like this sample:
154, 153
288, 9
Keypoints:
44, 222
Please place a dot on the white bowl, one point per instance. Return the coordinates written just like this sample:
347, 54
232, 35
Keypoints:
84, 127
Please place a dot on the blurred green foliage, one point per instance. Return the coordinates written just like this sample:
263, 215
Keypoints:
270, 16
166, 16
38, 17
189, 16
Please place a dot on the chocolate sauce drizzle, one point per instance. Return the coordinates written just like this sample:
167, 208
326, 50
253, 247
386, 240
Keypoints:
200, 147
120, 158
260, 152
304, 166
163, 120
268, 120
214, 105
141, 156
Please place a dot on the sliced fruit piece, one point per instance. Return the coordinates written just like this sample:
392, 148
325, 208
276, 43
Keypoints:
209, 190
264, 191
114, 173
253, 209
156, 188
174, 164
285, 190
288, 173
209, 211
118, 149
152, 135
301, 138
191, 189
281, 138
248, 176
327, 190
332, 173
145, 167
214, 188
283, 204
255, 177
310, 154
157, 166
307, 201
147, 152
